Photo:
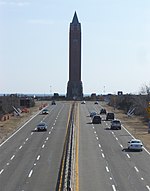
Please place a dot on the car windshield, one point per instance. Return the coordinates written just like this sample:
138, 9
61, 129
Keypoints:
135, 142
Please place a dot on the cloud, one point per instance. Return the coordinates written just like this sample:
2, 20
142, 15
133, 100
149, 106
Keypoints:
40, 22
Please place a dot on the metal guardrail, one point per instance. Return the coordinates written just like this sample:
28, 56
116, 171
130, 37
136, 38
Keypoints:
65, 177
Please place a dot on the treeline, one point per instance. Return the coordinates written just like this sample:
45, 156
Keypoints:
131, 104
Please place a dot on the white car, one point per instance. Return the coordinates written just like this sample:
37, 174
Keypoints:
135, 144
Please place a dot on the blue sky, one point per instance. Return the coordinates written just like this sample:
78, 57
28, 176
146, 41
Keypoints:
34, 45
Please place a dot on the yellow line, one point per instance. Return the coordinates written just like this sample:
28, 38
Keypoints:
77, 150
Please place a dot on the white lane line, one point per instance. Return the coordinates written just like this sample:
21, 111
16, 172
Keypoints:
128, 156
19, 129
99, 146
7, 164
34, 164
50, 132
116, 138
136, 169
110, 178
95, 132
148, 187
20, 147
52, 127
142, 178
27, 139
107, 169
103, 155
114, 188
12, 157
97, 138
93, 127
32, 133
30, 174
47, 138
112, 132
54, 124
38, 157
43, 146
1, 171
121, 146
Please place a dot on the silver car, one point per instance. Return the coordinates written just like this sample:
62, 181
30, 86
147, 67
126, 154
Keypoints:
135, 144
42, 126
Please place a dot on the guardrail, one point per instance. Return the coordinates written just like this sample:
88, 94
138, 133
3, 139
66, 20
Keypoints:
65, 177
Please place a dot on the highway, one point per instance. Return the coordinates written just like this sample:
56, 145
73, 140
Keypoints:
30, 160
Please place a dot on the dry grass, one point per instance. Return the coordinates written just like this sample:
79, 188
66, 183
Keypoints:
9, 126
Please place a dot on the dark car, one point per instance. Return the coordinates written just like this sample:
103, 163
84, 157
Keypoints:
115, 124
53, 102
96, 119
103, 111
110, 116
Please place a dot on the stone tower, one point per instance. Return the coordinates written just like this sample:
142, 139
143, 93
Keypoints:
74, 89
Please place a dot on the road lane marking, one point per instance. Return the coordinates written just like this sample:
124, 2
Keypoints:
114, 188
50, 132
99, 145
121, 146
12, 157
1, 171
7, 164
43, 146
148, 187
128, 156
142, 178
95, 132
97, 138
47, 138
107, 169
20, 147
27, 139
136, 169
103, 155
30, 174
116, 138
38, 157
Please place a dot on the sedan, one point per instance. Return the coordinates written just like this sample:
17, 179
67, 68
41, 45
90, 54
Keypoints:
135, 144
115, 124
42, 126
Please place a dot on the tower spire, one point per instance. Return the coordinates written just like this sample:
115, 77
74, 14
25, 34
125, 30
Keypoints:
75, 18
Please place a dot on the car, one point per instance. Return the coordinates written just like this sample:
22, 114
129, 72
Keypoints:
110, 116
53, 102
115, 124
96, 102
103, 111
45, 111
42, 126
92, 114
135, 144
96, 119
83, 102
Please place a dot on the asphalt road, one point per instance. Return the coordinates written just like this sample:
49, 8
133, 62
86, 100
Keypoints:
104, 161
30, 160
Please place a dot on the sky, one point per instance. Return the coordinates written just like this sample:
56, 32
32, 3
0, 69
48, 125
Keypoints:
34, 45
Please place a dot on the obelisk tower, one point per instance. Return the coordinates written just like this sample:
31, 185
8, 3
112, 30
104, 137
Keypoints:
74, 89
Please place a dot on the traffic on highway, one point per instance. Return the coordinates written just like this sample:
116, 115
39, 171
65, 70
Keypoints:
64, 140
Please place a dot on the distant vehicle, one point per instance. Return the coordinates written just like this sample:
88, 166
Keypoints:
96, 102
45, 111
83, 102
103, 111
92, 114
115, 124
53, 102
96, 119
135, 144
42, 126
110, 116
